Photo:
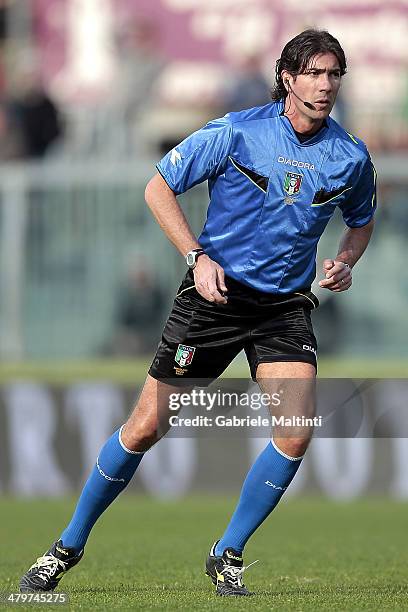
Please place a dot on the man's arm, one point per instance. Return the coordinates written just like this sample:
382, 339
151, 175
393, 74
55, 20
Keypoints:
338, 272
208, 275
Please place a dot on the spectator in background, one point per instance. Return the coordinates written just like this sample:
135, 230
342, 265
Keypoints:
32, 112
140, 63
248, 86
139, 67
139, 313
30, 125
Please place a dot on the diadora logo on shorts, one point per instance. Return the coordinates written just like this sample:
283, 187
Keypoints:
306, 347
295, 163
274, 486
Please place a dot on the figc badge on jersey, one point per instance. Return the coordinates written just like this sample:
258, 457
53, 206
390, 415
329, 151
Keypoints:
292, 185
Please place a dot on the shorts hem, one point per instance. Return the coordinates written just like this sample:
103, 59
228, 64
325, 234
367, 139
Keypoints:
282, 359
173, 381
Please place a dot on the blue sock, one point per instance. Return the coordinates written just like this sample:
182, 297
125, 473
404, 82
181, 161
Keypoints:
264, 485
114, 469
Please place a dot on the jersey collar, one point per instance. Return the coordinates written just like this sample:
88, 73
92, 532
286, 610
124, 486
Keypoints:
287, 127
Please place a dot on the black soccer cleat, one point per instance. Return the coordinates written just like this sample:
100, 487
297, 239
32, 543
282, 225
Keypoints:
226, 572
47, 571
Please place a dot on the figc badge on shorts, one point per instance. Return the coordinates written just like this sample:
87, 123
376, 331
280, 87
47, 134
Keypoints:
184, 355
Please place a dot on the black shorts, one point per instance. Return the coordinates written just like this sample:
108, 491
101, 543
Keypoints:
200, 338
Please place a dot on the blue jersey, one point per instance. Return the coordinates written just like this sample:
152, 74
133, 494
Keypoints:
271, 196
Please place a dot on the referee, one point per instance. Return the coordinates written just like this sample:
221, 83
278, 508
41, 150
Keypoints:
276, 174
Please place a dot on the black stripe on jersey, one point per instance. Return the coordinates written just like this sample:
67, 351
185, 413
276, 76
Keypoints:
259, 180
322, 196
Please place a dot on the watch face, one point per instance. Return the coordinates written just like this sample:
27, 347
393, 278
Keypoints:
191, 257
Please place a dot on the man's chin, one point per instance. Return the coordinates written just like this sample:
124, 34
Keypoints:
322, 111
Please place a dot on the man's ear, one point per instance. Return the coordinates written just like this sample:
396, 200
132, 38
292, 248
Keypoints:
285, 78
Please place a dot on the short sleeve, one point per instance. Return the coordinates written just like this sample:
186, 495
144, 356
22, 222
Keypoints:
359, 208
198, 157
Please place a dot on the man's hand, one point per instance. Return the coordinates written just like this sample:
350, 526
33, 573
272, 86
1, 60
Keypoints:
338, 276
209, 280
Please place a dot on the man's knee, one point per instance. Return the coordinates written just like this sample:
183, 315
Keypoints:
149, 420
141, 434
293, 447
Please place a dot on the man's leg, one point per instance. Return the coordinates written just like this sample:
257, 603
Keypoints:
117, 462
276, 466
114, 468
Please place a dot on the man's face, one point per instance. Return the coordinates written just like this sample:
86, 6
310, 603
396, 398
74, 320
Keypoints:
319, 85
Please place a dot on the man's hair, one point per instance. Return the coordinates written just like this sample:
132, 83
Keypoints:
298, 53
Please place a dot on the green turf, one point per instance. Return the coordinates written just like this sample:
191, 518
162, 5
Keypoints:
145, 555
131, 372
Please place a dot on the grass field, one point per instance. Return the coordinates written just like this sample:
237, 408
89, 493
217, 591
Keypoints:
144, 555
133, 371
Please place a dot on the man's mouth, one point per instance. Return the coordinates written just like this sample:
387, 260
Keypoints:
322, 103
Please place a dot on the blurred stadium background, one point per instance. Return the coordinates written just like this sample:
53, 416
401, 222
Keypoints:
93, 92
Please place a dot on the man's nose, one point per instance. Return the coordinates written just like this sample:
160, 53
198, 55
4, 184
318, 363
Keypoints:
325, 83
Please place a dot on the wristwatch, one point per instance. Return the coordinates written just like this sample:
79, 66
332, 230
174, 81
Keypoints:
192, 256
